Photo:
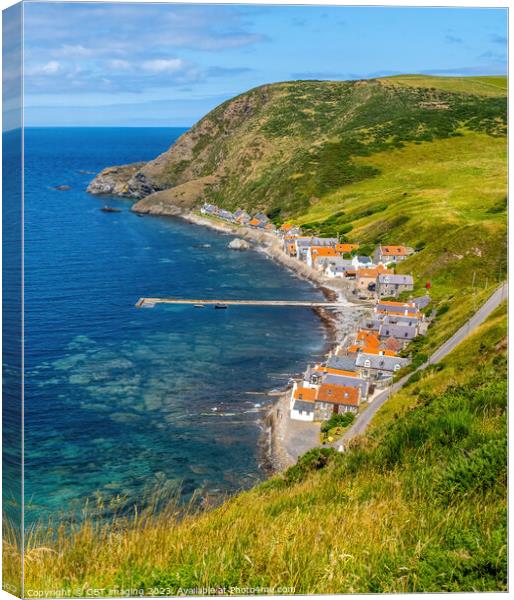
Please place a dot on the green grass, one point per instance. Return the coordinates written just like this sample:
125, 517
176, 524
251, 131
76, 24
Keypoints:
487, 85
419, 504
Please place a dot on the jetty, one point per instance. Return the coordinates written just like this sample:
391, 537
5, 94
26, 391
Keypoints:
151, 302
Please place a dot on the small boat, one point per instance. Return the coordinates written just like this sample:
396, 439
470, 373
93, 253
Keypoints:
220, 305
110, 209
199, 305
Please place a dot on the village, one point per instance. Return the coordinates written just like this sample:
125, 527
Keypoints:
334, 391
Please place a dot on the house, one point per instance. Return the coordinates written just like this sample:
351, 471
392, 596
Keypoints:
370, 343
400, 332
335, 399
365, 280
322, 401
263, 219
289, 244
242, 217
302, 403
254, 222
209, 209
315, 252
378, 368
407, 320
362, 262
349, 382
371, 323
346, 248
392, 344
393, 285
422, 301
344, 364
392, 254
304, 243
226, 215
391, 307
269, 226
338, 267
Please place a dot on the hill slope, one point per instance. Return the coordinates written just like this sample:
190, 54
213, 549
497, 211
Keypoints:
419, 504
282, 147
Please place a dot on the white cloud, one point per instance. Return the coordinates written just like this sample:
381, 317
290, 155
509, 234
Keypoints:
73, 50
119, 64
50, 68
163, 65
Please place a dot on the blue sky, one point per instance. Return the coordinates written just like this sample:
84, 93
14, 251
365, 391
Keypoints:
168, 64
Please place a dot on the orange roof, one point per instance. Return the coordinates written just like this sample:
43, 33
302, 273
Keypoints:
371, 350
286, 227
305, 394
254, 222
345, 248
339, 394
323, 251
333, 371
384, 270
370, 338
398, 304
394, 250
372, 273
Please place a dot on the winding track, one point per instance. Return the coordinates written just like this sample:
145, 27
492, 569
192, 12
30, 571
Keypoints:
475, 321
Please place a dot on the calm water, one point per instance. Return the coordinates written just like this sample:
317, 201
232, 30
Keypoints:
120, 400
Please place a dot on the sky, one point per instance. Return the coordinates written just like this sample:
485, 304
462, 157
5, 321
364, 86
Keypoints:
169, 64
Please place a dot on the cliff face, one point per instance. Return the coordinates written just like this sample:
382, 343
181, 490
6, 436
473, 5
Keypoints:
282, 147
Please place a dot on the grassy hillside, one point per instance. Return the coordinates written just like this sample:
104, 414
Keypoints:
283, 147
485, 85
419, 504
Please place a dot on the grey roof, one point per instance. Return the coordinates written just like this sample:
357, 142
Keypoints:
303, 405
261, 217
400, 332
396, 279
377, 361
344, 363
365, 260
422, 301
370, 324
405, 308
404, 320
348, 381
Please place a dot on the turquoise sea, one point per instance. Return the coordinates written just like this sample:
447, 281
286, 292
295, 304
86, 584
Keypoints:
120, 402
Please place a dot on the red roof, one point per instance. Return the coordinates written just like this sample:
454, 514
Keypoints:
394, 250
339, 394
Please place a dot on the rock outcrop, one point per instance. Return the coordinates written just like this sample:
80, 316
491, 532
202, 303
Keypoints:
115, 181
239, 244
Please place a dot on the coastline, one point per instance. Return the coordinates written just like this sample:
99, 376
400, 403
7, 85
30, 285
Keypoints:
284, 440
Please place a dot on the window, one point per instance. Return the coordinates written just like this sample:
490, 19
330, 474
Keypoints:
367, 363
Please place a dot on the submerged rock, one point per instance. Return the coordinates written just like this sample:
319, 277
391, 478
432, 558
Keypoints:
62, 188
239, 244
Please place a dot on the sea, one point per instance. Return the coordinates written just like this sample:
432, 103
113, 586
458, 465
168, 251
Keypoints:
123, 405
